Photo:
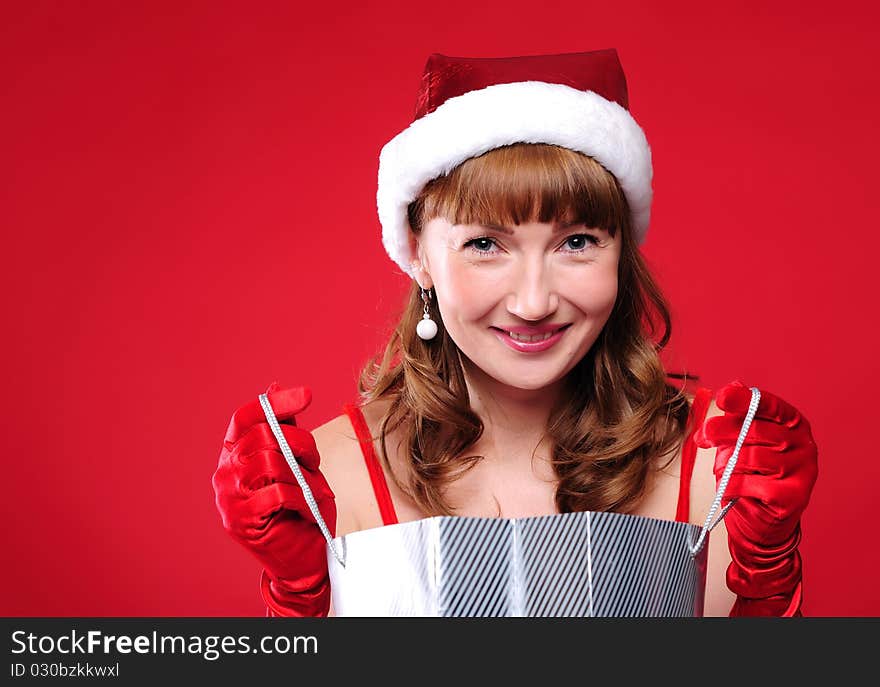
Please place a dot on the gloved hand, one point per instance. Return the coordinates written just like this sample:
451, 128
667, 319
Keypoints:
773, 479
263, 507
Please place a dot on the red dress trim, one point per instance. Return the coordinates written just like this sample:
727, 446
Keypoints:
377, 475
699, 408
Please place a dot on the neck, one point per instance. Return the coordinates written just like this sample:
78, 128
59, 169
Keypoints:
514, 420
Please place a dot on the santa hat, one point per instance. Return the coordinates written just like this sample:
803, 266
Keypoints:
467, 106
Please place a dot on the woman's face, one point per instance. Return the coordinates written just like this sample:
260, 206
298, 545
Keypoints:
489, 279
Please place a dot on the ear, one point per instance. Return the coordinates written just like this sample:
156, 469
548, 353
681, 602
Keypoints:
419, 263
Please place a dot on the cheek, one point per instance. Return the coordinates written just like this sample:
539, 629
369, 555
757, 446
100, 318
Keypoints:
464, 291
598, 295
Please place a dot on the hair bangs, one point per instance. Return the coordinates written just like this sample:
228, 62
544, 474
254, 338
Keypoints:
521, 183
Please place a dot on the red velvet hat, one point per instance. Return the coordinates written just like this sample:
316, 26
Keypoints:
469, 105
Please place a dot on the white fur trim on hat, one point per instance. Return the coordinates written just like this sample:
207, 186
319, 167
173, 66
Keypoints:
468, 125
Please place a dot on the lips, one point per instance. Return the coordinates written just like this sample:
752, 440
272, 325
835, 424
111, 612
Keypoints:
532, 331
529, 346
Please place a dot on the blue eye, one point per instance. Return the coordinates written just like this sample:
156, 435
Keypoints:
473, 242
479, 245
590, 239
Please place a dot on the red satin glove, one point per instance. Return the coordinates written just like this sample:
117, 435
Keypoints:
773, 479
264, 508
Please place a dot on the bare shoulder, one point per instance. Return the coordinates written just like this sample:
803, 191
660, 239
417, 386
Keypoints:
343, 465
719, 599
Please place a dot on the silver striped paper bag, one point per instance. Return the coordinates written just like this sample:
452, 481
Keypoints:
586, 564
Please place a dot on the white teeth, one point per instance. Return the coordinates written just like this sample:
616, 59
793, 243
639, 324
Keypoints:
528, 339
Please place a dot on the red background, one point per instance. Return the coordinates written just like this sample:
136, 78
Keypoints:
188, 202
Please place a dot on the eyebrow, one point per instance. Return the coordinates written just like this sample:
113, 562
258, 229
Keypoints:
557, 227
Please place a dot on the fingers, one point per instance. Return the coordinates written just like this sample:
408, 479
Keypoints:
258, 511
734, 398
285, 403
279, 496
260, 438
254, 465
772, 506
723, 430
763, 465
274, 386
266, 466
797, 469
770, 477
262, 468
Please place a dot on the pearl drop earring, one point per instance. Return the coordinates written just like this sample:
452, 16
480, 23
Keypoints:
426, 328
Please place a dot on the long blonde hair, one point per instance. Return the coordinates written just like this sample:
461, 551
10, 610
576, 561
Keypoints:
617, 413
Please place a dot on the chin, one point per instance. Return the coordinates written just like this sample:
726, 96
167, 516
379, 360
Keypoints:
532, 384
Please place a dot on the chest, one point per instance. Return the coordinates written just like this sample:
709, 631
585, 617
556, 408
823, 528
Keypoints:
490, 490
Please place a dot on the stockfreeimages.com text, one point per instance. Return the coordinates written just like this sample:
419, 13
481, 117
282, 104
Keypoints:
210, 647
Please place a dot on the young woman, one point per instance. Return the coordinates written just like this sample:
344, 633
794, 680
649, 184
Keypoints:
523, 377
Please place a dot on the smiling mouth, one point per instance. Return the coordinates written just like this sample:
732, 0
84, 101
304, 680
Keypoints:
535, 338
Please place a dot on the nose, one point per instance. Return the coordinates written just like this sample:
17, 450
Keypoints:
533, 296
